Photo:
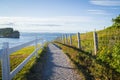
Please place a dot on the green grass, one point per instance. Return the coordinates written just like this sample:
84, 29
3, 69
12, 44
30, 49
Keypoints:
108, 45
89, 67
17, 57
105, 65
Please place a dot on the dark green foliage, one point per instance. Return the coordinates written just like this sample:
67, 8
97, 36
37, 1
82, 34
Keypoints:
14, 34
5, 31
9, 33
116, 22
109, 47
111, 57
116, 57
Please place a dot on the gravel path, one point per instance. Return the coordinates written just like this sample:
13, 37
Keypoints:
57, 66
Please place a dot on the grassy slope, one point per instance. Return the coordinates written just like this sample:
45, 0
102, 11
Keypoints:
17, 57
88, 66
106, 63
105, 38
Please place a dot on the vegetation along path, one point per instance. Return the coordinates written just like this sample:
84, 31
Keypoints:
58, 66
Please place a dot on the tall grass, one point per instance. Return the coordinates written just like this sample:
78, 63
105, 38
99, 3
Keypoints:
89, 67
17, 57
108, 45
108, 54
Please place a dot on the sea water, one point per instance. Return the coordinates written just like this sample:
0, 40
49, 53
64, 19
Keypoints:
26, 37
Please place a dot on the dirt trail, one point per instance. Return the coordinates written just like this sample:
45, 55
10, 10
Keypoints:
57, 66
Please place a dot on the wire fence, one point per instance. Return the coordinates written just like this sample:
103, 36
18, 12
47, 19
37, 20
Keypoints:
105, 39
104, 45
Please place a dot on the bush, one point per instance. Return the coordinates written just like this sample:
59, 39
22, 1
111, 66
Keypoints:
115, 61
110, 56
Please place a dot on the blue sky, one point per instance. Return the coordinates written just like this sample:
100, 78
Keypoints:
58, 15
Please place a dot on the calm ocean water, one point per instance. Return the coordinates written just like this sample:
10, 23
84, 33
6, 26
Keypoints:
26, 37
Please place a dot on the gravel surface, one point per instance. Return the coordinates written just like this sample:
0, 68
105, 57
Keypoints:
58, 66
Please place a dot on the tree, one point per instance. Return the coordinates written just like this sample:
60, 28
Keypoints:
116, 22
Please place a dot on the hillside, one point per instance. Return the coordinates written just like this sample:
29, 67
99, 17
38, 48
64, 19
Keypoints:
105, 65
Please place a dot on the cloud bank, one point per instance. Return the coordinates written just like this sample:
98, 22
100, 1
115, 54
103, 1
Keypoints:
45, 20
101, 12
58, 24
106, 2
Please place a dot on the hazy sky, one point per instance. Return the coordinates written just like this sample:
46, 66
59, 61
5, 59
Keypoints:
58, 15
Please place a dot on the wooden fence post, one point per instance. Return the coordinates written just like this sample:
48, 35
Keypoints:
79, 43
70, 40
95, 37
5, 62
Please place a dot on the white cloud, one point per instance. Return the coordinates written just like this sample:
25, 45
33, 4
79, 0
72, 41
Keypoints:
58, 24
53, 24
106, 2
101, 12
52, 21
60, 19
